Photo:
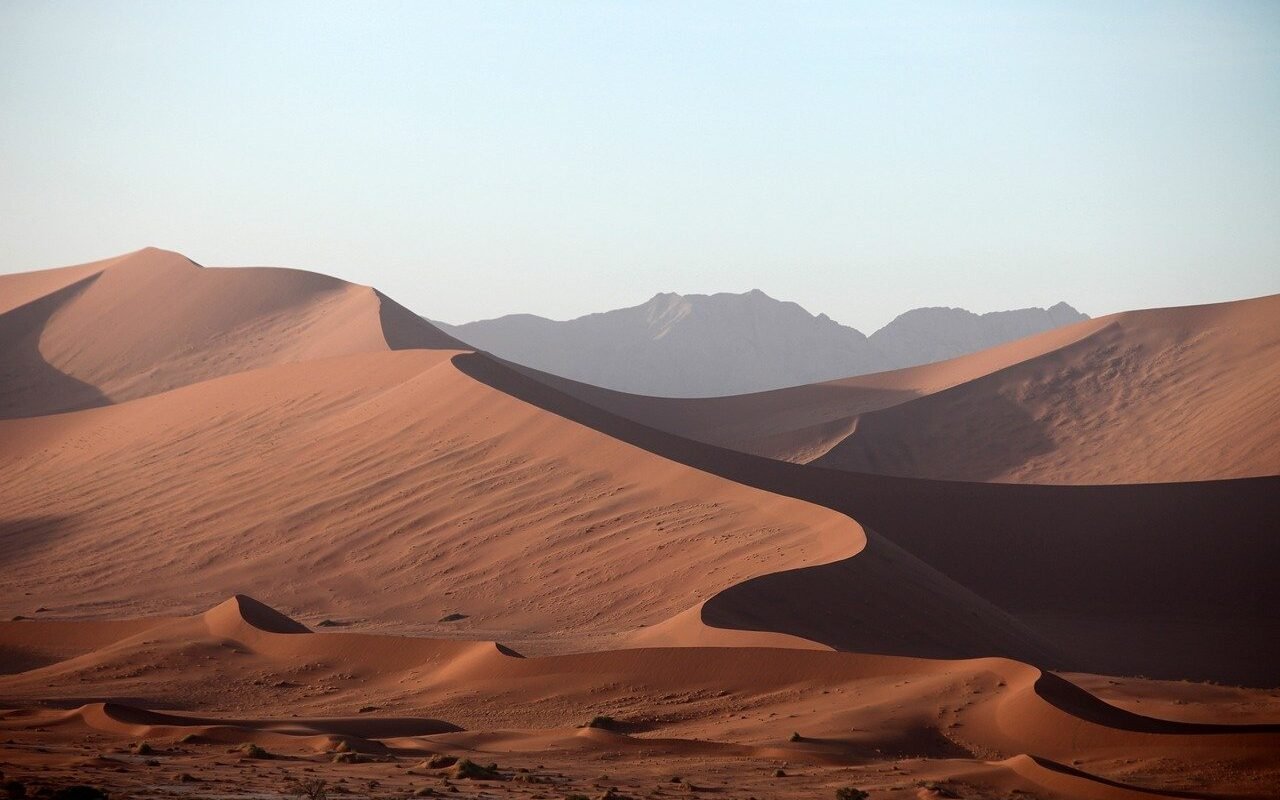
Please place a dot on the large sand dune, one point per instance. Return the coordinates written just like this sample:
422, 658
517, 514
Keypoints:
150, 321
174, 436
1168, 580
1174, 394
394, 488
802, 423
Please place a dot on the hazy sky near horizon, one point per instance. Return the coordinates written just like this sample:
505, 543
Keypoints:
473, 159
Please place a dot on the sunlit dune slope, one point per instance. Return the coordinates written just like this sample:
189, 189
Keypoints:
848, 706
1169, 580
1171, 394
394, 489
150, 321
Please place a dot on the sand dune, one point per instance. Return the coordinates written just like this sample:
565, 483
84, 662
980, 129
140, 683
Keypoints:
395, 490
979, 717
1171, 394
463, 555
802, 423
150, 321
1174, 394
1126, 574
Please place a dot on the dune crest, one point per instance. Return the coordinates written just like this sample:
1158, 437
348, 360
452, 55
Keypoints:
153, 320
1159, 395
678, 587
978, 717
239, 612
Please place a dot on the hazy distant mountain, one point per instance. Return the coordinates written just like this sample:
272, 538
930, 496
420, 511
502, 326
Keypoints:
925, 335
702, 345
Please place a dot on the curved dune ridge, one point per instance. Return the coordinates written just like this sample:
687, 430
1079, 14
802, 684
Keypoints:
1174, 394
801, 423
151, 321
447, 492
1170, 394
395, 488
176, 436
1122, 573
991, 709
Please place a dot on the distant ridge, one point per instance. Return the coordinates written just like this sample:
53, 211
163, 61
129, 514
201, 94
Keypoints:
699, 345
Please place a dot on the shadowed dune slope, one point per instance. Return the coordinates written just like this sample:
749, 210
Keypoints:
801, 423
394, 488
1171, 394
1168, 580
150, 321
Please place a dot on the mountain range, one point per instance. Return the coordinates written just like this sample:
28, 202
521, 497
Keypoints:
700, 345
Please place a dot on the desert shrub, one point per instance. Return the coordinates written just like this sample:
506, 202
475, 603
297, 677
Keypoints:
310, 789
850, 793
251, 750
466, 769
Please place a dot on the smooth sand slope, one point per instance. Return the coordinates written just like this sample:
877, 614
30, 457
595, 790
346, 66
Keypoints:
1167, 580
393, 488
404, 489
802, 423
149, 321
308, 442
963, 723
1173, 394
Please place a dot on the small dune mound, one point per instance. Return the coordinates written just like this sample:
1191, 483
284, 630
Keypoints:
231, 616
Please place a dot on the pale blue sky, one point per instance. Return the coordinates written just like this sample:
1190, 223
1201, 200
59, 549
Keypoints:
474, 159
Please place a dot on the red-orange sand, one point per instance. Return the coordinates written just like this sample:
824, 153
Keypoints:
1169, 394
452, 555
